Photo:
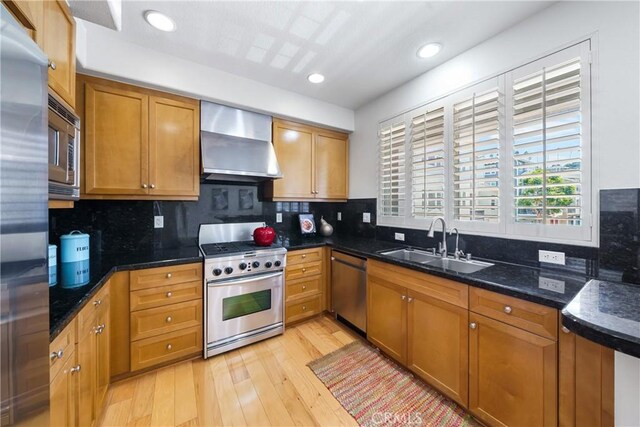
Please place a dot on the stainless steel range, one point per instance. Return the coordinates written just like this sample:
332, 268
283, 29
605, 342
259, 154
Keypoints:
244, 287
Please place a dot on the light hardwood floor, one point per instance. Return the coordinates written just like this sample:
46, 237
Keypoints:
263, 384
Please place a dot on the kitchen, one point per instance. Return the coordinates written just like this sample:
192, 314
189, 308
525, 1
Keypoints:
540, 265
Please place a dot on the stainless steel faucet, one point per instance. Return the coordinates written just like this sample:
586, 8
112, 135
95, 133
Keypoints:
458, 253
443, 245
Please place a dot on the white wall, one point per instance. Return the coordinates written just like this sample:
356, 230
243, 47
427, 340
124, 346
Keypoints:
627, 390
616, 93
101, 53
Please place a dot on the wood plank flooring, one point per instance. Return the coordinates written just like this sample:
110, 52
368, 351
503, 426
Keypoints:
263, 384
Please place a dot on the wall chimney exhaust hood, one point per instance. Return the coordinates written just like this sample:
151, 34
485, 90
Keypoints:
236, 145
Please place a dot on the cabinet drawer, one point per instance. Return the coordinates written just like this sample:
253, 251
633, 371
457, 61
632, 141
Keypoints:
302, 288
299, 310
64, 346
526, 315
300, 271
98, 304
165, 295
160, 320
304, 256
165, 348
164, 276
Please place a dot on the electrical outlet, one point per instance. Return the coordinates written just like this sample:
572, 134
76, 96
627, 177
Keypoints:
400, 236
279, 217
366, 217
551, 257
551, 284
158, 221
339, 216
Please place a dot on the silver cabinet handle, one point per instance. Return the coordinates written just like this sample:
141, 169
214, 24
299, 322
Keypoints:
169, 346
152, 186
169, 275
56, 354
144, 185
169, 294
52, 65
507, 309
409, 299
75, 369
304, 270
304, 308
403, 297
304, 287
304, 255
99, 329
169, 319
97, 302
333, 258
565, 330
473, 325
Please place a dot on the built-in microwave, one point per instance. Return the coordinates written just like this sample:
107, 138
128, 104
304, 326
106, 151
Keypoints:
64, 152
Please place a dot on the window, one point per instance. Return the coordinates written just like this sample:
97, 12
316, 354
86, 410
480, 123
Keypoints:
509, 156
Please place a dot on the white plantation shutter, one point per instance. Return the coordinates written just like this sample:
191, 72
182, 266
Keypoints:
391, 200
476, 158
428, 164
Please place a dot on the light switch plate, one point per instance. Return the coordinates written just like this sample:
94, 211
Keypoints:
551, 257
158, 221
279, 217
366, 217
400, 236
339, 216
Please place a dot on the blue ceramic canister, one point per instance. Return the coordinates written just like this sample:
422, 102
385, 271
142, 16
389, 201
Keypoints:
74, 257
53, 265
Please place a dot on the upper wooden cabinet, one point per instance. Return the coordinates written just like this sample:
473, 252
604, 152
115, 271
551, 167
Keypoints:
137, 143
50, 24
314, 162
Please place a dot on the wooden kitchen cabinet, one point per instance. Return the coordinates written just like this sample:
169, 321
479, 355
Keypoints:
314, 163
512, 374
137, 143
31, 15
421, 321
305, 287
60, 47
63, 369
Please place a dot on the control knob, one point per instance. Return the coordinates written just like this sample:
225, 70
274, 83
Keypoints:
242, 266
217, 272
277, 263
267, 264
228, 270
255, 264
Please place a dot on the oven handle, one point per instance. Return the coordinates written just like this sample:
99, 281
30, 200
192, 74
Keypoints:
244, 279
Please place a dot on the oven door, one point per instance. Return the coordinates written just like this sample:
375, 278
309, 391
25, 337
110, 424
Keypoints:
238, 306
61, 150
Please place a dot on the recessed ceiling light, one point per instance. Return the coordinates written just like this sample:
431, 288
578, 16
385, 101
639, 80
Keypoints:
315, 78
429, 50
159, 20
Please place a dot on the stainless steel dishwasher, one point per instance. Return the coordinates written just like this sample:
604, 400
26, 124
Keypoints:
349, 289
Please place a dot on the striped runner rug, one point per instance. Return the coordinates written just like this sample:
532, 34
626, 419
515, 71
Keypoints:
378, 392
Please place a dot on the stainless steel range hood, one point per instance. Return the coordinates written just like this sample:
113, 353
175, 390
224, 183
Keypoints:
236, 144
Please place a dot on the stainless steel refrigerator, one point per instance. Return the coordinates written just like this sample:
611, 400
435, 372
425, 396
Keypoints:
24, 291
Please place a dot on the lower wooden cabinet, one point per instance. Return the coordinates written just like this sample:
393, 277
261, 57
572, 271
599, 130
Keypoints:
387, 317
305, 284
63, 394
512, 374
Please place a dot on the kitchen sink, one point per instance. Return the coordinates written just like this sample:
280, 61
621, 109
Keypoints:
411, 255
459, 266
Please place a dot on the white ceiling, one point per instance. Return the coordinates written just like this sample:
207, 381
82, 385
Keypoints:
363, 48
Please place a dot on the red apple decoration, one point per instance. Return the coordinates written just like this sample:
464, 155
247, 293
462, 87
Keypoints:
264, 236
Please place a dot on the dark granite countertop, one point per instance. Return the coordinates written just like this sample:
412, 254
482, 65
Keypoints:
548, 287
64, 304
607, 313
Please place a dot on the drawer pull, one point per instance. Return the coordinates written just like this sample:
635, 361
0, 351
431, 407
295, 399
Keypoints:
304, 287
304, 308
75, 369
56, 354
403, 297
99, 329
507, 309
144, 185
169, 294
97, 302
169, 319
304, 270
409, 299
565, 330
304, 255
169, 275
52, 65
169, 346
473, 325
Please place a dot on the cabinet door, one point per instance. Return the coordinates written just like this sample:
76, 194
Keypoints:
331, 169
59, 45
30, 14
438, 334
115, 141
294, 150
62, 393
101, 357
86, 376
512, 375
387, 317
174, 149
